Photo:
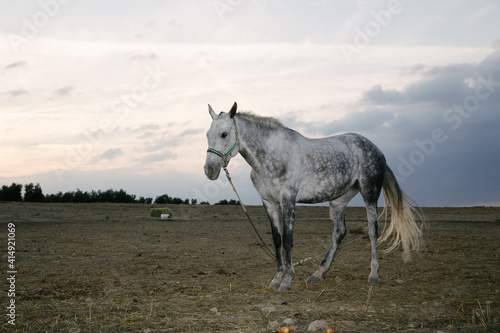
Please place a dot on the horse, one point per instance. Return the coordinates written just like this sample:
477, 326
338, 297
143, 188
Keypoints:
289, 168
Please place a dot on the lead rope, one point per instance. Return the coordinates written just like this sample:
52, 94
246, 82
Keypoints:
248, 216
264, 243
322, 254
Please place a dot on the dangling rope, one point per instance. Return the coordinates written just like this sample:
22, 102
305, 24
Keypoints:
248, 216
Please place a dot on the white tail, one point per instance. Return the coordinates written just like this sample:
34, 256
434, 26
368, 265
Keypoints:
404, 229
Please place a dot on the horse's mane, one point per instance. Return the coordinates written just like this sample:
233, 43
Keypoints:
260, 120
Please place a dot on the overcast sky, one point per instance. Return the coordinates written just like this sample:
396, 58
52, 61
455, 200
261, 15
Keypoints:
113, 94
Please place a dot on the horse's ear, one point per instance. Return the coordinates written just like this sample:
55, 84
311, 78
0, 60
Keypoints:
233, 110
212, 112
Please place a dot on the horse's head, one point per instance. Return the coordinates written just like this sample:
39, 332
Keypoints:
223, 141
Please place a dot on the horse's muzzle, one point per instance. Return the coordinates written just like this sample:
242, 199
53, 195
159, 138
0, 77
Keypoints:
212, 171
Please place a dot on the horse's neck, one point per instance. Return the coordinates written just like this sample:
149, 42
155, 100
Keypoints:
255, 143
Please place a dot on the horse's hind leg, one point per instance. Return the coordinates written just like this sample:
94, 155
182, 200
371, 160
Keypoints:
337, 208
371, 212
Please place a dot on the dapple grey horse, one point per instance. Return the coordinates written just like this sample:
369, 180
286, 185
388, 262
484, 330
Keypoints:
288, 168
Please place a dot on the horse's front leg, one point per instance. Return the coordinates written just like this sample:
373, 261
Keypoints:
288, 210
273, 212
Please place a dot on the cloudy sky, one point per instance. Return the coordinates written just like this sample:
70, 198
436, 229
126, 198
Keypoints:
114, 94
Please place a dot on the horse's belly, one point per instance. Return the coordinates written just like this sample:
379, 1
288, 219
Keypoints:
321, 191
318, 183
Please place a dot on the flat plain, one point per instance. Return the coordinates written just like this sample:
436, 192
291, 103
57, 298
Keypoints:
112, 268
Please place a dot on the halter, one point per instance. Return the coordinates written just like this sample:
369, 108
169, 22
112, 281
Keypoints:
227, 156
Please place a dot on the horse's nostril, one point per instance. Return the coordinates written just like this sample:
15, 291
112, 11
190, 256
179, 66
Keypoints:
209, 170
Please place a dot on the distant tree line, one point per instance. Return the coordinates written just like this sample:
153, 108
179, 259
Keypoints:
11, 193
230, 202
111, 196
34, 193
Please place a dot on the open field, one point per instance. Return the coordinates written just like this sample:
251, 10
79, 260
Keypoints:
111, 268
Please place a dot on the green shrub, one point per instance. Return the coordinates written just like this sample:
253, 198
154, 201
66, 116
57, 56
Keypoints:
156, 212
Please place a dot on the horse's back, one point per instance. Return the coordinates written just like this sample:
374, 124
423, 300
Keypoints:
353, 146
360, 145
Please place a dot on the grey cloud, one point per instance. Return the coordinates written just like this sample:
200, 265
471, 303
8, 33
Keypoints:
440, 89
463, 170
145, 135
369, 120
110, 154
64, 90
17, 64
490, 65
449, 70
415, 69
17, 92
377, 95
413, 111
440, 84
496, 43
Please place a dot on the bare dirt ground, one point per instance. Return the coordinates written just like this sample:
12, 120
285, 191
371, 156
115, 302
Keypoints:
111, 268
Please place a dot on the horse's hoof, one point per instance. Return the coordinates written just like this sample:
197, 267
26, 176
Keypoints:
285, 287
274, 285
373, 279
313, 279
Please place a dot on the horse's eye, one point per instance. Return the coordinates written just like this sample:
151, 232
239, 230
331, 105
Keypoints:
223, 135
